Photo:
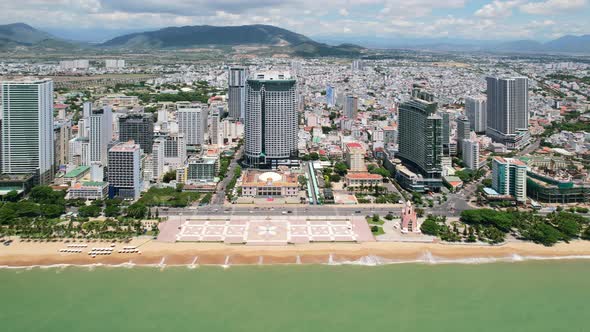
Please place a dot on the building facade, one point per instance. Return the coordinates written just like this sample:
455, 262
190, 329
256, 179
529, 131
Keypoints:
351, 106
191, 124
237, 92
125, 174
27, 129
101, 134
270, 120
475, 109
508, 111
421, 137
509, 178
139, 128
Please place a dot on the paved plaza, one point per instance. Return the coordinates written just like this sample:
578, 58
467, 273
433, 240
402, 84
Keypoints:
273, 230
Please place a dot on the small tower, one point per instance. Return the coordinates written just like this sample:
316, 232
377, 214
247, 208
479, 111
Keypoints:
409, 221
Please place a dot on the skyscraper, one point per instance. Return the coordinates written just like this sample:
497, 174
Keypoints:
508, 111
463, 131
351, 105
101, 134
125, 171
270, 119
421, 137
509, 178
192, 123
330, 96
27, 129
139, 128
475, 109
237, 92
446, 132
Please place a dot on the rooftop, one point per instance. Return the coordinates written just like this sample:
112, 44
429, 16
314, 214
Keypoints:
76, 172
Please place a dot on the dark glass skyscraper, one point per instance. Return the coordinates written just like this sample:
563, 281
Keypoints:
139, 128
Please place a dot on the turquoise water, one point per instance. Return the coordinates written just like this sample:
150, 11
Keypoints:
526, 296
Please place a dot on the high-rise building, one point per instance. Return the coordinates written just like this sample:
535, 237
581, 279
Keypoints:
158, 155
351, 105
509, 178
421, 137
124, 174
139, 128
508, 111
237, 92
357, 65
463, 131
192, 123
27, 128
446, 132
215, 132
475, 108
62, 133
470, 153
101, 134
330, 96
270, 119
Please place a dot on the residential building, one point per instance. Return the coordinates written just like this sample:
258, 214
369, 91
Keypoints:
330, 96
192, 123
470, 154
137, 127
475, 109
509, 177
237, 92
101, 134
351, 106
463, 131
270, 119
27, 129
508, 111
124, 175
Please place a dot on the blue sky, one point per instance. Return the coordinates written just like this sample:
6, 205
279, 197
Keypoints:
459, 19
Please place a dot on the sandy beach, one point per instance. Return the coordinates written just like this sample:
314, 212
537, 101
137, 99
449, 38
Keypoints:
24, 254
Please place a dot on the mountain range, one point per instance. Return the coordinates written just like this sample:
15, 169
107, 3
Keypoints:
280, 40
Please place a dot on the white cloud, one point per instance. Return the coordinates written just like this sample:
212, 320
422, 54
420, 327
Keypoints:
343, 12
552, 6
497, 9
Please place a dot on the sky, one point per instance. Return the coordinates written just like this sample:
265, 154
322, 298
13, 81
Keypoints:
459, 19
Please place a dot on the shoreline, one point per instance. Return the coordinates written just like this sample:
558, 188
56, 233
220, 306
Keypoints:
161, 254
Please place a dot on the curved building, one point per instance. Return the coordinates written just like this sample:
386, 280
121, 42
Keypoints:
270, 133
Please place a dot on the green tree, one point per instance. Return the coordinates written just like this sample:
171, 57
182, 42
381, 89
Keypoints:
169, 176
430, 227
137, 211
90, 211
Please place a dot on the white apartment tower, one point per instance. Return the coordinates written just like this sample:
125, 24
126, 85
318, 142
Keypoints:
475, 109
100, 134
192, 123
27, 128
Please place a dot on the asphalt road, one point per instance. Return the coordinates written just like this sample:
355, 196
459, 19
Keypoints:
219, 196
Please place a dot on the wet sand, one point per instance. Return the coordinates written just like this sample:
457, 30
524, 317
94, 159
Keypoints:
20, 254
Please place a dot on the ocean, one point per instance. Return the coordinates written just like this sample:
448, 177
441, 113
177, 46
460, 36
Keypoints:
522, 296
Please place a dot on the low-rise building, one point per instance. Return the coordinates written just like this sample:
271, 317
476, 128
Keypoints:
269, 184
88, 190
362, 180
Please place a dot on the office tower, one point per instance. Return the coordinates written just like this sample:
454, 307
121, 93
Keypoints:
124, 174
463, 131
351, 106
330, 96
470, 153
27, 129
101, 134
270, 119
507, 111
237, 92
421, 137
192, 123
139, 128
475, 108
509, 178
158, 155
355, 157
